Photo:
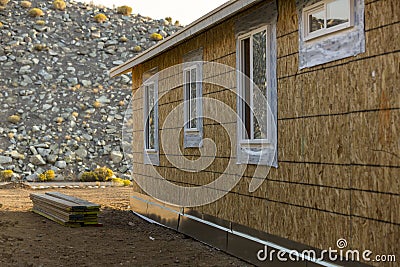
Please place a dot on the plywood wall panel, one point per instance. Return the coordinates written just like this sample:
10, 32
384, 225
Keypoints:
379, 237
290, 140
375, 137
287, 19
379, 88
256, 214
326, 139
288, 44
315, 228
324, 198
290, 96
379, 179
381, 13
331, 175
379, 206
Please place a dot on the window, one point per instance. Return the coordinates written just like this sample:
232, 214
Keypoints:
150, 119
257, 98
150, 110
329, 30
326, 17
191, 97
192, 94
253, 91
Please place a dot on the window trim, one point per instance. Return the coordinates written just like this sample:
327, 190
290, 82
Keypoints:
322, 6
246, 142
187, 98
152, 81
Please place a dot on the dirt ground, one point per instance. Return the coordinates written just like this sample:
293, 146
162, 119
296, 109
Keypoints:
27, 239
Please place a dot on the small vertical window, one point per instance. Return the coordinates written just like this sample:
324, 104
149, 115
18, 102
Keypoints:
150, 96
192, 97
326, 17
253, 64
150, 119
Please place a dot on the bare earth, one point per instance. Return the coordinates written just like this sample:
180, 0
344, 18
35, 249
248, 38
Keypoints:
27, 239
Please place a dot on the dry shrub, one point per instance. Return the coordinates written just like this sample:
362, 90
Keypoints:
35, 12
40, 22
137, 49
123, 39
97, 104
14, 119
124, 10
4, 2
99, 18
59, 5
156, 37
26, 4
39, 47
47, 176
6, 175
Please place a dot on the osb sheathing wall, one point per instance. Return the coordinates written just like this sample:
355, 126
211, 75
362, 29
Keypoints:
339, 130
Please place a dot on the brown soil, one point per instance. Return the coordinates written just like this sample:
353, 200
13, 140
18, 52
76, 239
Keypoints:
27, 239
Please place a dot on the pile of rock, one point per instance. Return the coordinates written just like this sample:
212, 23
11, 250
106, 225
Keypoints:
59, 108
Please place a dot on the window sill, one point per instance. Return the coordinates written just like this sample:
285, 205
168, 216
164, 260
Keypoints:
327, 32
261, 143
192, 131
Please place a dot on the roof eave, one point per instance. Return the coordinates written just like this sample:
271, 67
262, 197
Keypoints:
210, 19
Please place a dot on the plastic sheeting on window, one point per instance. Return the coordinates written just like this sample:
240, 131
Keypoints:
333, 46
264, 15
152, 157
194, 138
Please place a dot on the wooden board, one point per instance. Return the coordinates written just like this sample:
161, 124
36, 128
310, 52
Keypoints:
76, 200
66, 210
63, 204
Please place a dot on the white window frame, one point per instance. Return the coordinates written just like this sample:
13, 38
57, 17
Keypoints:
322, 6
251, 142
146, 85
187, 98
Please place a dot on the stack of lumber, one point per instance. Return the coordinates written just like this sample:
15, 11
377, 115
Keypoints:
66, 210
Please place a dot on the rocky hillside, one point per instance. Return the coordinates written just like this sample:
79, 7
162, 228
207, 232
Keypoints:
58, 107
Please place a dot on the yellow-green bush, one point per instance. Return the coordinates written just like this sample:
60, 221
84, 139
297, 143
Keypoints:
156, 37
4, 2
123, 39
59, 120
124, 10
26, 4
120, 182
47, 176
127, 183
14, 119
39, 47
6, 175
99, 18
89, 177
59, 5
117, 182
101, 174
35, 12
177, 23
40, 22
96, 104
169, 19
137, 49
